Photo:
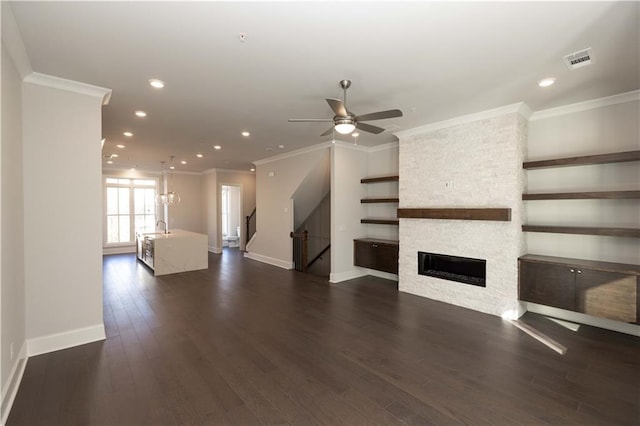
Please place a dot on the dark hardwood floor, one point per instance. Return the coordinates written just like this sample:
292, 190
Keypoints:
246, 343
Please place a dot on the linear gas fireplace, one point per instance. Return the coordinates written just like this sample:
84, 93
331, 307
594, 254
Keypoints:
454, 268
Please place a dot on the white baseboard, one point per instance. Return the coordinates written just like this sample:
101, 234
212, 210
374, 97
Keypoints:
385, 275
269, 260
577, 317
338, 277
67, 339
247, 246
10, 389
216, 250
118, 250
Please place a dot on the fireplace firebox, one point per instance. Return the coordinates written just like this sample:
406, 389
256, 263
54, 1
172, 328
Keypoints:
453, 268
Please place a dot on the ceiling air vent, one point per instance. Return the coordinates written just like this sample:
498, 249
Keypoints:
579, 59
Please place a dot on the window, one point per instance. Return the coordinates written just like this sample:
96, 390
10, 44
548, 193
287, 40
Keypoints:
130, 208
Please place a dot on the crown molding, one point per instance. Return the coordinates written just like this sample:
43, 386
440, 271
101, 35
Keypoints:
124, 171
242, 172
214, 170
69, 86
384, 147
325, 145
587, 105
519, 108
12, 40
294, 153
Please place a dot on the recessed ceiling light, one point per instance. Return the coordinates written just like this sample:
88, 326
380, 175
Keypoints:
217, 147
183, 162
156, 84
546, 82
252, 169
114, 155
246, 134
141, 114
120, 146
269, 149
280, 146
199, 155
128, 134
172, 167
109, 162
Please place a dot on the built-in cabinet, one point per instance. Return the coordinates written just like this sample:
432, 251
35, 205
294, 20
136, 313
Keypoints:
377, 253
602, 289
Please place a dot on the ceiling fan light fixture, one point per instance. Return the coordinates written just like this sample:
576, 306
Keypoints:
344, 126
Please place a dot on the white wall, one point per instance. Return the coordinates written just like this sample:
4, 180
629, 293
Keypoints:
62, 212
12, 291
313, 188
599, 129
210, 209
276, 181
482, 157
348, 166
187, 215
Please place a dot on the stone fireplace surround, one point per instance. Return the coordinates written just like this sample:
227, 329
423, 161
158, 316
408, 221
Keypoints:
469, 162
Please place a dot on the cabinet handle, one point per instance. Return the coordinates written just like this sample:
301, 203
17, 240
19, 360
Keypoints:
572, 270
374, 245
579, 271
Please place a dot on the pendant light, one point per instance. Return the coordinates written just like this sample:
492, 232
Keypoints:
173, 199
170, 198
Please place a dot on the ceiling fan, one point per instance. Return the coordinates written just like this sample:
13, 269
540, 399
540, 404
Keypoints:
345, 122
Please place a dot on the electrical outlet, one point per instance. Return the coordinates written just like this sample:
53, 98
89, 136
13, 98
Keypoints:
448, 184
11, 351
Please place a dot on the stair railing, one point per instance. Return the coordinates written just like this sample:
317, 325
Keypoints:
300, 250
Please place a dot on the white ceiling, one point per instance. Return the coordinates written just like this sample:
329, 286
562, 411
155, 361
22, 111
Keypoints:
432, 60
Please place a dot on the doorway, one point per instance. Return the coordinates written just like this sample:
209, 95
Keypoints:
231, 215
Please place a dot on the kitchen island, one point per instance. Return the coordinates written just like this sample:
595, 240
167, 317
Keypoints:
177, 251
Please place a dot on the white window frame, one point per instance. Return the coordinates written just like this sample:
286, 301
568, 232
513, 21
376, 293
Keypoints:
131, 185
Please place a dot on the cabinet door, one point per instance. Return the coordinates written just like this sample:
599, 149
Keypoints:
364, 254
607, 295
387, 258
546, 284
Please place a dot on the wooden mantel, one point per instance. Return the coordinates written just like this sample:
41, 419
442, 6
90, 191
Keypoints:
496, 214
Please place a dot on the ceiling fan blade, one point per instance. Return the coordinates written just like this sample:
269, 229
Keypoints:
338, 107
392, 113
369, 128
328, 131
310, 120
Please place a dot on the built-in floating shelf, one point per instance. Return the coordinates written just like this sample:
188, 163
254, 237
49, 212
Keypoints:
380, 200
584, 230
381, 221
380, 179
608, 195
495, 214
616, 157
